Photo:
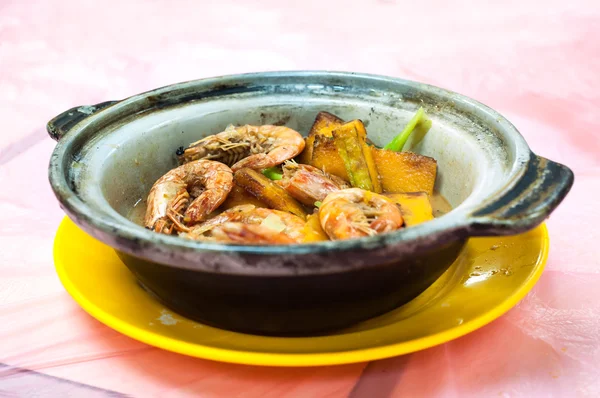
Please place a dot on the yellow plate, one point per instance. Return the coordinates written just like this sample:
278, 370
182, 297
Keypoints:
490, 277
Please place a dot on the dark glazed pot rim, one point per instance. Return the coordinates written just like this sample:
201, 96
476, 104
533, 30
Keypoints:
532, 190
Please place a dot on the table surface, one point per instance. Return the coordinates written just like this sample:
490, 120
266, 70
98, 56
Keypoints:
537, 63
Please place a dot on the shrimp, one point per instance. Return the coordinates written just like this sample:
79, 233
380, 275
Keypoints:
255, 147
355, 212
308, 184
237, 232
250, 224
198, 187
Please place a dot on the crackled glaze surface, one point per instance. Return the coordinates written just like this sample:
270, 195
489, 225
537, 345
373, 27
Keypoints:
536, 65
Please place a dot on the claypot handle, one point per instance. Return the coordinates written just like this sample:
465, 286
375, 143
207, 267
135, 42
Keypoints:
61, 124
527, 203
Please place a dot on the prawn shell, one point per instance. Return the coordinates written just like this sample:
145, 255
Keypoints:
187, 194
345, 214
247, 146
246, 224
308, 184
250, 233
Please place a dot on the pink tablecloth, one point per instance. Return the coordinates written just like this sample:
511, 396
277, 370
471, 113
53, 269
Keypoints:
538, 63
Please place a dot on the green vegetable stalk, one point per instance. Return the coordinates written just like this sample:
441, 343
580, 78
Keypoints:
419, 124
272, 173
348, 146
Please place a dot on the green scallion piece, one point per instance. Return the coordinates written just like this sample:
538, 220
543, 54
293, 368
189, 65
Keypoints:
419, 124
272, 173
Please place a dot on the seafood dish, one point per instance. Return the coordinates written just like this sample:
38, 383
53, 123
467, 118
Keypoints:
269, 185
293, 221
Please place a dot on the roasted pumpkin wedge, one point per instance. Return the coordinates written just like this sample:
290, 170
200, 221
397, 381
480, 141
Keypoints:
267, 191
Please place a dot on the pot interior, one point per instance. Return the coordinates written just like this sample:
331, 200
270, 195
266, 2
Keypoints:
114, 168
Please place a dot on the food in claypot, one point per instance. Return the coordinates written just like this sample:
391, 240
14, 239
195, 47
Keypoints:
269, 185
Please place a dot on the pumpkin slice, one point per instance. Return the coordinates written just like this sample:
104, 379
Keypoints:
267, 191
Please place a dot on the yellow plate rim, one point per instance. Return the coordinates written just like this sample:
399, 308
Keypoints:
300, 360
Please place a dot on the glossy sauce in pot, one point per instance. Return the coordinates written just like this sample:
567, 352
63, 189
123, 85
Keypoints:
439, 204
